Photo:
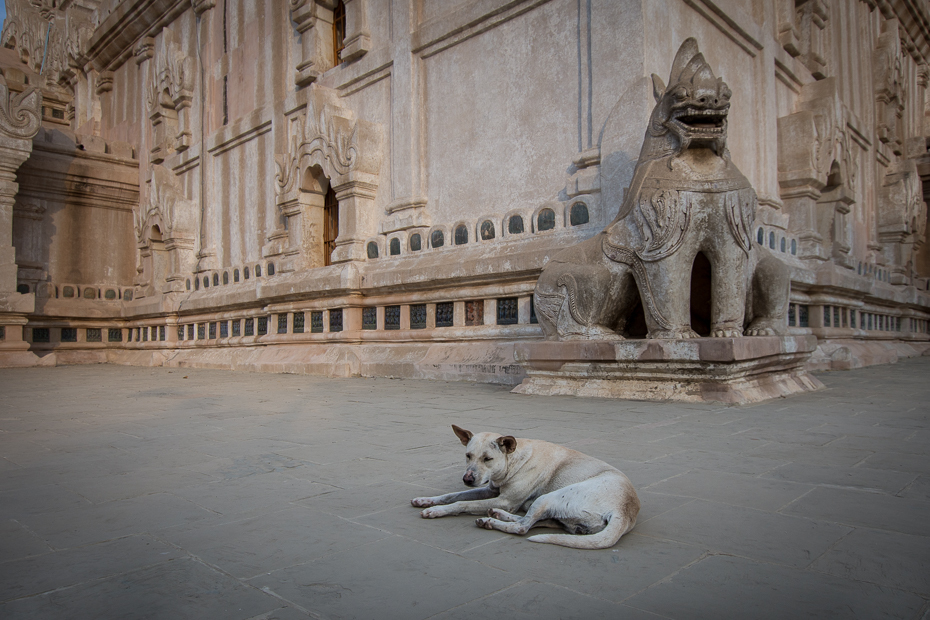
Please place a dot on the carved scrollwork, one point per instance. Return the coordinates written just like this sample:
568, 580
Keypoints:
166, 207
47, 38
548, 306
318, 137
663, 219
174, 74
20, 114
626, 256
322, 135
741, 213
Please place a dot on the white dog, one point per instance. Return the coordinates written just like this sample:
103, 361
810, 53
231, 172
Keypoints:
556, 486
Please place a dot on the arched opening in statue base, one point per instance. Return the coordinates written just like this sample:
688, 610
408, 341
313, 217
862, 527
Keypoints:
729, 370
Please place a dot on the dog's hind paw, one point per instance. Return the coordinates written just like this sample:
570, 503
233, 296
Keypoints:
422, 502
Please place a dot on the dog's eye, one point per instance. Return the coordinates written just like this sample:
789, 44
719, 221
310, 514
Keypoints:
468, 456
487, 458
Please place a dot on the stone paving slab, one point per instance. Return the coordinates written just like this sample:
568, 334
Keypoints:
130, 492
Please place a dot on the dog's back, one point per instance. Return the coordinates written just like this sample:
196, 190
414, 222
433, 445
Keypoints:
600, 488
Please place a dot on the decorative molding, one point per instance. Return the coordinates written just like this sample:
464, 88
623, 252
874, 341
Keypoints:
29, 211
167, 208
406, 203
104, 82
200, 6
373, 68
239, 138
144, 50
469, 21
114, 40
737, 30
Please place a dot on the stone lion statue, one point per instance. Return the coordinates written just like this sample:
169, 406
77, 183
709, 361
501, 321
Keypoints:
686, 203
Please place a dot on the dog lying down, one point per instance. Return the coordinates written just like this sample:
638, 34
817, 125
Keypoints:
556, 486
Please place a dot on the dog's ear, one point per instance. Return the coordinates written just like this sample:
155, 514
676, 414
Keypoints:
508, 444
463, 435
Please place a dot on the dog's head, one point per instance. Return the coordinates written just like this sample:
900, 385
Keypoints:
485, 456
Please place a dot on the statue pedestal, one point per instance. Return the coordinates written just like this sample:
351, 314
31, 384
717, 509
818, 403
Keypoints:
729, 370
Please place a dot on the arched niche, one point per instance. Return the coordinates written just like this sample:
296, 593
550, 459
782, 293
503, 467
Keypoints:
833, 207
330, 153
165, 226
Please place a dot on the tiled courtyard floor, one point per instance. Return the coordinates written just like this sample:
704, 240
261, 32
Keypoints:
156, 493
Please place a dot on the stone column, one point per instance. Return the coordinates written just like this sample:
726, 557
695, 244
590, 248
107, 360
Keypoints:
358, 37
19, 122
314, 21
356, 199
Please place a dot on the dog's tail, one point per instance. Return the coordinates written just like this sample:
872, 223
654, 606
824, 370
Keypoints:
617, 526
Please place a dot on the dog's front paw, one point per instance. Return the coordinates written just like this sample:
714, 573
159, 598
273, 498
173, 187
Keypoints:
432, 513
485, 523
422, 502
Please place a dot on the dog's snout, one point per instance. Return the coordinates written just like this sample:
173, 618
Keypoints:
469, 478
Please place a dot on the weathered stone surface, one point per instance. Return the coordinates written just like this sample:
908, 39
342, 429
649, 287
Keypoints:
199, 162
732, 370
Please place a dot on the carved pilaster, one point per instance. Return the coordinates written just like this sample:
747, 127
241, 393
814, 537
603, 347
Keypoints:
314, 22
358, 36
801, 25
833, 227
902, 219
817, 172
812, 20
169, 96
890, 88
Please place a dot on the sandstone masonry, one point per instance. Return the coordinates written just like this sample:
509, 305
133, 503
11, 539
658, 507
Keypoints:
373, 188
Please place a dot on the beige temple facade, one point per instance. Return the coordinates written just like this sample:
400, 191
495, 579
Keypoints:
373, 187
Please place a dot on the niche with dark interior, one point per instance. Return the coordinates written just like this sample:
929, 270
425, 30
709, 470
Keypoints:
635, 324
701, 295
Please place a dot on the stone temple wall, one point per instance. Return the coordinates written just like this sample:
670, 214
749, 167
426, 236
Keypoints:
179, 201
